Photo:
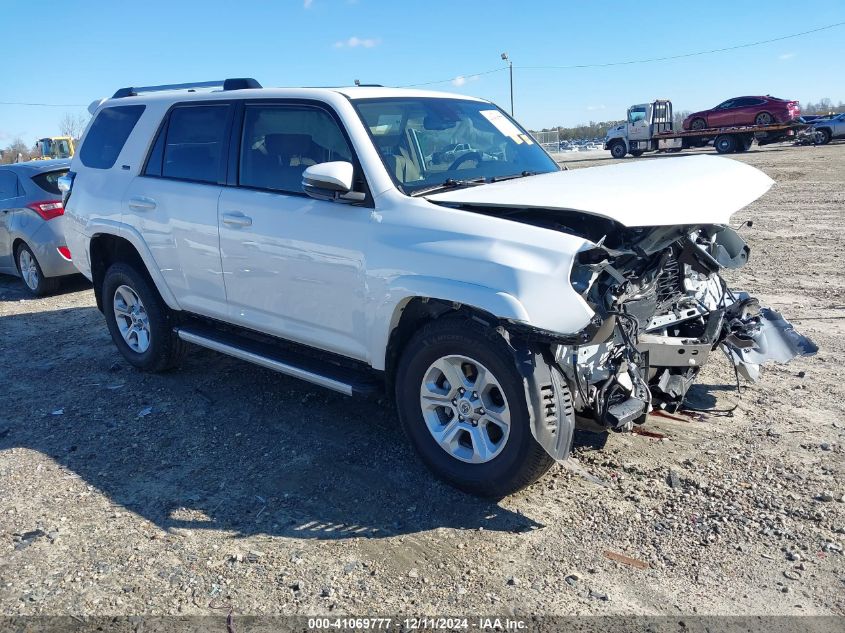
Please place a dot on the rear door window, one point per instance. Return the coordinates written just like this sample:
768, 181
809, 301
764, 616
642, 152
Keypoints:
191, 145
49, 181
108, 135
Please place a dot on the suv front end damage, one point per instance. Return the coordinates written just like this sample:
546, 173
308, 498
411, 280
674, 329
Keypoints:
664, 309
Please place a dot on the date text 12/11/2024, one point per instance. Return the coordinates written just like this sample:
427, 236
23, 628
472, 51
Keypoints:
418, 624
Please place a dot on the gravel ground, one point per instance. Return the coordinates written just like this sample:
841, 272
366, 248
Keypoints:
126, 493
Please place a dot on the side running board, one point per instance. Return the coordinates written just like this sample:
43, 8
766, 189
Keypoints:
323, 373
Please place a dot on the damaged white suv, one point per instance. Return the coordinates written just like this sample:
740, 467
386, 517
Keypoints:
503, 301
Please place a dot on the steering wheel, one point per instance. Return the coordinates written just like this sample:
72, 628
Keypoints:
460, 160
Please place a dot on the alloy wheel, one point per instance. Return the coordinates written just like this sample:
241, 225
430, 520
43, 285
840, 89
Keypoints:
465, 409
29, 269
132, 319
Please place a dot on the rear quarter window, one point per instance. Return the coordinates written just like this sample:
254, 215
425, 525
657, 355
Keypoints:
108, 135
49, 181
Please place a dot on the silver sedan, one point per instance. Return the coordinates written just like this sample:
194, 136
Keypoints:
32, 244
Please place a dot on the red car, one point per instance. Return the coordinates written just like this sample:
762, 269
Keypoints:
744, 111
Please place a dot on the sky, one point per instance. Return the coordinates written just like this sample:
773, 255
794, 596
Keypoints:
94, 47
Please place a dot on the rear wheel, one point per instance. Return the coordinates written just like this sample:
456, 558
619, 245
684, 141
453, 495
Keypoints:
462, 404
698, 124
822, 136
618, 150
725, 144
744, 144
636, 153
31, 273
764, 118
140, 323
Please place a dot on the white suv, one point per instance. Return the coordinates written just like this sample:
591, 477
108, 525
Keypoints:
502, 300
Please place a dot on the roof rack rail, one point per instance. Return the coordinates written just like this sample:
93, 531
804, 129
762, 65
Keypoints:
238, 83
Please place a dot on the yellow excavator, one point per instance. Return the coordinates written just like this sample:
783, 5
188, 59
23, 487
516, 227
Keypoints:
56, 147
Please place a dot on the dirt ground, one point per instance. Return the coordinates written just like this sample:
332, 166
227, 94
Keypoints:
127, 493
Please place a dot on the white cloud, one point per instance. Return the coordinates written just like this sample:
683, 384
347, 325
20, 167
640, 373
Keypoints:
355, 42
307, 3
592, 108
786, 56
460, 80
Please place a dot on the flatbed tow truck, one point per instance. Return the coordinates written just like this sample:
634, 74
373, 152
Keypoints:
650, 128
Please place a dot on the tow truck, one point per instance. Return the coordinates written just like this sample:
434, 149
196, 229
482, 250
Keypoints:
650, 128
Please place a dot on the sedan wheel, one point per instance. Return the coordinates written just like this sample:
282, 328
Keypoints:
29, 269
465, 409
821, 137
132, 319
698, 124
764, 118
31, 273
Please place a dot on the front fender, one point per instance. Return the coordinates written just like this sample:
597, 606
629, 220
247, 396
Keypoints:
405, 288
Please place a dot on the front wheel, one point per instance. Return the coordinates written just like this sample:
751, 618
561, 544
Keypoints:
139, 321
821, 137
462, 404
618, 150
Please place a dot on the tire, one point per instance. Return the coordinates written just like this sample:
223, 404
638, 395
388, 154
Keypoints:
617, 149
744, 144
764, 118
822, 136
636, 153
725, 144
516, 459
698, 124
31, 275
163, 349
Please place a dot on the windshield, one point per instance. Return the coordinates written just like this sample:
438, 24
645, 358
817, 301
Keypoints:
637, 113
425, 142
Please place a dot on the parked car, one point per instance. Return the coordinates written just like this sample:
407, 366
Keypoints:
452, 152
765, 110
500, 302
825, 130
32, 242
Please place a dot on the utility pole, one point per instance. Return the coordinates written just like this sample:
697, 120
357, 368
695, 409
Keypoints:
510, 70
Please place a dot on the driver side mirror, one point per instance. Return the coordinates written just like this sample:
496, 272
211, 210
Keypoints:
331, 181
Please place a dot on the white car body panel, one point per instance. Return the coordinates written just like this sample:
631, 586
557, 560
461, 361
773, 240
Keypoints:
649, 193
336, 276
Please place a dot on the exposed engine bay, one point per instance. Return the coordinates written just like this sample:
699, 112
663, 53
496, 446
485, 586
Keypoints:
662, 310
649, 270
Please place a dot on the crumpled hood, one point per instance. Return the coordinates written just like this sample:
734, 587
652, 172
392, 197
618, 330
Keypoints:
658, 192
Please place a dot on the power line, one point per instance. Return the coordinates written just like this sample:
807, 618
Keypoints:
639, 61
46, 105
443, 81
684, 55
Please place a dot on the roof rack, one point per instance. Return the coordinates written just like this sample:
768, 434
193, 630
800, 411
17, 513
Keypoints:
239, 83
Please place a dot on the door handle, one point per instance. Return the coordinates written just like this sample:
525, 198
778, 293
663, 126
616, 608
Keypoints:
142, 203
236, 218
